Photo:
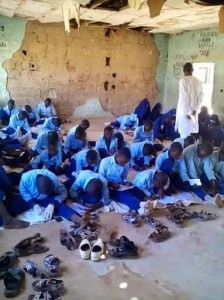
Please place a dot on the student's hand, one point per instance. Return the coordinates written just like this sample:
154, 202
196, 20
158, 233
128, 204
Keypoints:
114, 186
48, 212
136, 168
188, 117
38, 209
127, 183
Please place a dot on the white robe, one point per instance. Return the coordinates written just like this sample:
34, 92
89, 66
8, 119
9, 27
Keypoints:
190, 99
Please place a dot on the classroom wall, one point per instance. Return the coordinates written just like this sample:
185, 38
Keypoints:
195, 46
117, 69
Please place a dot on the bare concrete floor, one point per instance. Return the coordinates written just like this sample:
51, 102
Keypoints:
188, 266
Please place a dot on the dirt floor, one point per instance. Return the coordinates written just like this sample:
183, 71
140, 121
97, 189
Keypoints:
188, 266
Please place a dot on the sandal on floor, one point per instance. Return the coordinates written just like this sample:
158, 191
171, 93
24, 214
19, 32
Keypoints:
45, 296
176, 217
176, 206
52, 264
6, 261
123, 252
13, 281
131, 218
27, 241
160, 235
89, 232
33, 248
152, 222
30, 267
49, 285
205, 216
66, 240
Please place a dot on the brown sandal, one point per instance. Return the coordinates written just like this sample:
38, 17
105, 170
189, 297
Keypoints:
161, 234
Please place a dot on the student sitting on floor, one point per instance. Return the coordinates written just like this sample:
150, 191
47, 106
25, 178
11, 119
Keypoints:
141, 155
75, 142
115, 170
44, 138
90, 189
214, 133
32, 115
126, 122
142, 111
153, 183
107, 144
51, 158
144, 132
86, 159
52, 123
156, 112
203, 120
120, 140
46, 109
84, 124
189, 140
171, 163
6, 112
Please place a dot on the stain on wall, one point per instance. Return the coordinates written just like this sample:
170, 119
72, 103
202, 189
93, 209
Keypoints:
12, 32
195, 46
119, 69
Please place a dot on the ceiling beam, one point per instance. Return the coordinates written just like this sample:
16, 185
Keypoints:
97, 3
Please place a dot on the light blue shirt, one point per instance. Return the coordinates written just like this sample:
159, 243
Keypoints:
42, 142
14, 111
81, 162
82, 181
72, 143
28, 186
46, 160
101, 144
112, 171
144, 181
128, 120
217, 166
15, 122
195, 165
33, 115
140, 135
137, 152
178, 167
48, 125
46, 112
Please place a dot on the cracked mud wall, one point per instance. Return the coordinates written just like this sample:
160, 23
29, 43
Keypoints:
118, 68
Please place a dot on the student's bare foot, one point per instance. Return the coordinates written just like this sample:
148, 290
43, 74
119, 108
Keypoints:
85, 218
15, 224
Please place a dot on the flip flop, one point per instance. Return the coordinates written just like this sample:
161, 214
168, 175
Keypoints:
66, 240
33, 248
160, 235
205, 216
45, 296
49, 285
123, 252
89, 232
27, 241
131, 218
13, 281
6, 261
152, 222
52, 264
176, 206
30, 267
176, 217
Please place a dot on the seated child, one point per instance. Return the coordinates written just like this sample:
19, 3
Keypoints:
52, 123
141, 155
107, 144
75, 142
6, 112
120, 140
44, 138
126, 122
46, 109
32, 115
144, 132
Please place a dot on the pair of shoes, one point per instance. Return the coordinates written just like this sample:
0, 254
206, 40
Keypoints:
132, 218
7, 260
89, 232
47, 289
13, 281
66, 240
86, 251
122, 248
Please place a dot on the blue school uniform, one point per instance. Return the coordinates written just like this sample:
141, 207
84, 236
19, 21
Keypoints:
142, 110
128, 121
15, 122
32, 116
144, 181
73, 144
46, 112
160, 128
80, 184
42, 142
140, 135
11, 112
81, 163
47, 160
5, 114
48, 125
104, 151
137, 157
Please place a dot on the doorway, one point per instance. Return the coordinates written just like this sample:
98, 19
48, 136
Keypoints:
205, 72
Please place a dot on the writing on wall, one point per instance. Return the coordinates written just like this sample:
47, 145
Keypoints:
3, 43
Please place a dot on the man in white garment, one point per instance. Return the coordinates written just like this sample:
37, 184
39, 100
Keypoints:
190, 99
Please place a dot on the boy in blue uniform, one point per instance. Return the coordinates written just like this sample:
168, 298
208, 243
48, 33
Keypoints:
75, 142
43, 139
141, 155
107, 144
120, 140
6, 112
32, 115
126, 122
46, 109
52, 123
144, 132
91, 189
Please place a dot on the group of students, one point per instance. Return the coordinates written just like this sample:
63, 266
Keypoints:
98, 171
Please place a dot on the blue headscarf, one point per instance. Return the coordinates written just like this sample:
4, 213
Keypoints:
156, 112
142, 110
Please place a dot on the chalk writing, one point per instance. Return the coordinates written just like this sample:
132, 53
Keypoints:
2, 27
207, 39
209, 34
204, 53
187, 57
2, 44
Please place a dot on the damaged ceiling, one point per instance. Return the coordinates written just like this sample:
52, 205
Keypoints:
175, 15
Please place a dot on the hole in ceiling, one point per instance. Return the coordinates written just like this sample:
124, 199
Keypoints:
107, 61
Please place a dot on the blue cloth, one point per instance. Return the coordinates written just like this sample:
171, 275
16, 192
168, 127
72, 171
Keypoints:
48, 125
28, 188
155, 112
165, 129
112, 171
82, 181
47, 160
142, 110
144, 181
42, 142
132, 197
11, 112
5, 182
101, 146
137, 156
217, 166
15, 122
73, 144
4, 118
32, 116
81, 162
128, 121
140, 135
46, 112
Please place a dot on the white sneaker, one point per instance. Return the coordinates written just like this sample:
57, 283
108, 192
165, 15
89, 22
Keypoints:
85, 249
97, 250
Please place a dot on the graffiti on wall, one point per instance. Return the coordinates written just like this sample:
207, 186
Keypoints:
3, 44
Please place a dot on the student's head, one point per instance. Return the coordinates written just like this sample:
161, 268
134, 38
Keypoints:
160, 180
11, 104
175, 151
56, 122
158, 108
188, 69
214, 121
108, 133
204, 110
205, 149
91, 157
52, 137
22, 115
120, 138
85, 124
80, 133
52, 148
28, 109
44, 185
221, 154
123, 156
148, 149
47, 102
94, 187
189, 140
148, 125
